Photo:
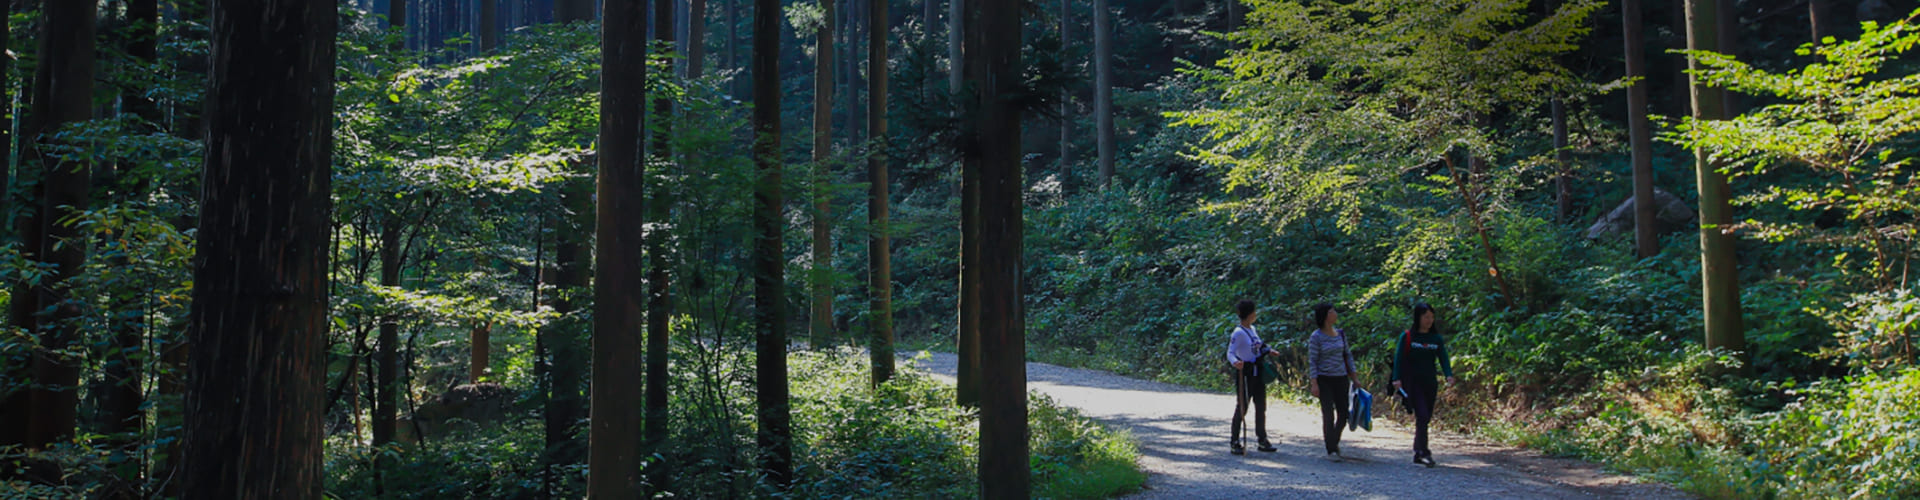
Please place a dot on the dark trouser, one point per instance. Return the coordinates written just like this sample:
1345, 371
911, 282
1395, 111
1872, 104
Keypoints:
1333, 409
1421, 393
1248, 386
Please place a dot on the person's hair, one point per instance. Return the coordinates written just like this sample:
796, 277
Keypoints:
1320, 312
1245, 307
1419, 309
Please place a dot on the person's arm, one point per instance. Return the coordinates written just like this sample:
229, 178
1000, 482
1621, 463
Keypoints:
1313, 357
1399, 356
1446, 366
1237, 340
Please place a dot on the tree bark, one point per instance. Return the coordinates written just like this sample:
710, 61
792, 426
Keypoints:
1646, 234
880, 252
1066, 98
769, 275
696, 39
1816, 18
956, 24
618, 297
68, 58
397, 20
992, 67
567, 11
1563, 163
1719, 271
386, 394
489, 25
259, 315
481, 340
1103, 88
821, 325
967, 341
733, 45
659, 298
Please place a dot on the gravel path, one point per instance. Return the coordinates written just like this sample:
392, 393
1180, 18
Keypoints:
1183, 447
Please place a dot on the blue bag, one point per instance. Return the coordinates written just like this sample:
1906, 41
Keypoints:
1362, 410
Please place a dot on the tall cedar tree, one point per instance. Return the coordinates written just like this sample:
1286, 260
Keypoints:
880, 261
967, 370
13, 400
696, 39
1646, 236
567, 363
1103, 88
258, 323
1719, 266
820, 329
618, 320
386, 390
769, 267
1066, 99
489, 21
992, 59
659, 298
67, 58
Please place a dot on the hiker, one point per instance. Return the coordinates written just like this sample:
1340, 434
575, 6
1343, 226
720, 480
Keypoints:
1420, 349
1330, 374
1244, 350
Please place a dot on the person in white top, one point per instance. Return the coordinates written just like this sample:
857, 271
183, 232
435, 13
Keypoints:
1244, 350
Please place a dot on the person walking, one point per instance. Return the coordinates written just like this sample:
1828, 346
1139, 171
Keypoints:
1419, 351
1330, 375
1244, 350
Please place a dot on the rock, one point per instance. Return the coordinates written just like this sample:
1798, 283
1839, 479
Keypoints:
1673, 215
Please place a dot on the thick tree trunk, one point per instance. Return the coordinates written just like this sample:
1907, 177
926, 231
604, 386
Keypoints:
618, 320
956, 36
68, 58
259, 318
733, 45
820, 329
992, 64
769, 273
880, 252
1719, 270
1816, 18
489, 25
16, 410
1103, 88
1646, 233
967, 345
696, 39
397, 20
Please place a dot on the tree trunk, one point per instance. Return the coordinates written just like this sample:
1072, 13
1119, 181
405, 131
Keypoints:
992, 64
386, 394
397, 20
123, 396
880, 252
481, 340
1563, 163
1646, 233
956, 23
967, 369
1816, 17
567, 11
568, 357
1066, 97
68, 56
1719, 271
769, 274
733, 45
659, 298
617, 318
259, 315
489, 25
16, 411
696, 39
1103, 88
821, 326
857, 121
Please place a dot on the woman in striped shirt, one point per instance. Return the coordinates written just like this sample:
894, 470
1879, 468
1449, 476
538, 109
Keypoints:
1330, 374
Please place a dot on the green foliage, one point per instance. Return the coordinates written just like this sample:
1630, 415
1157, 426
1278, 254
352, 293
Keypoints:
1857, 438
1844, 124
1876, 331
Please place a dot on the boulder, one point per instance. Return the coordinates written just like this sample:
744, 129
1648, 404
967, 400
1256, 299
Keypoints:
1673, 215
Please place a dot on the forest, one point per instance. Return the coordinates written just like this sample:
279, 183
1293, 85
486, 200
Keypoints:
528, 249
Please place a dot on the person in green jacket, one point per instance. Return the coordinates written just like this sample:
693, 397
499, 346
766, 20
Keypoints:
1419, 351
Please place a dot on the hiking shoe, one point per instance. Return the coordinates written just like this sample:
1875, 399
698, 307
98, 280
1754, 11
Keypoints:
1426, 460
1268, 448
1334, 456
1237, 450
